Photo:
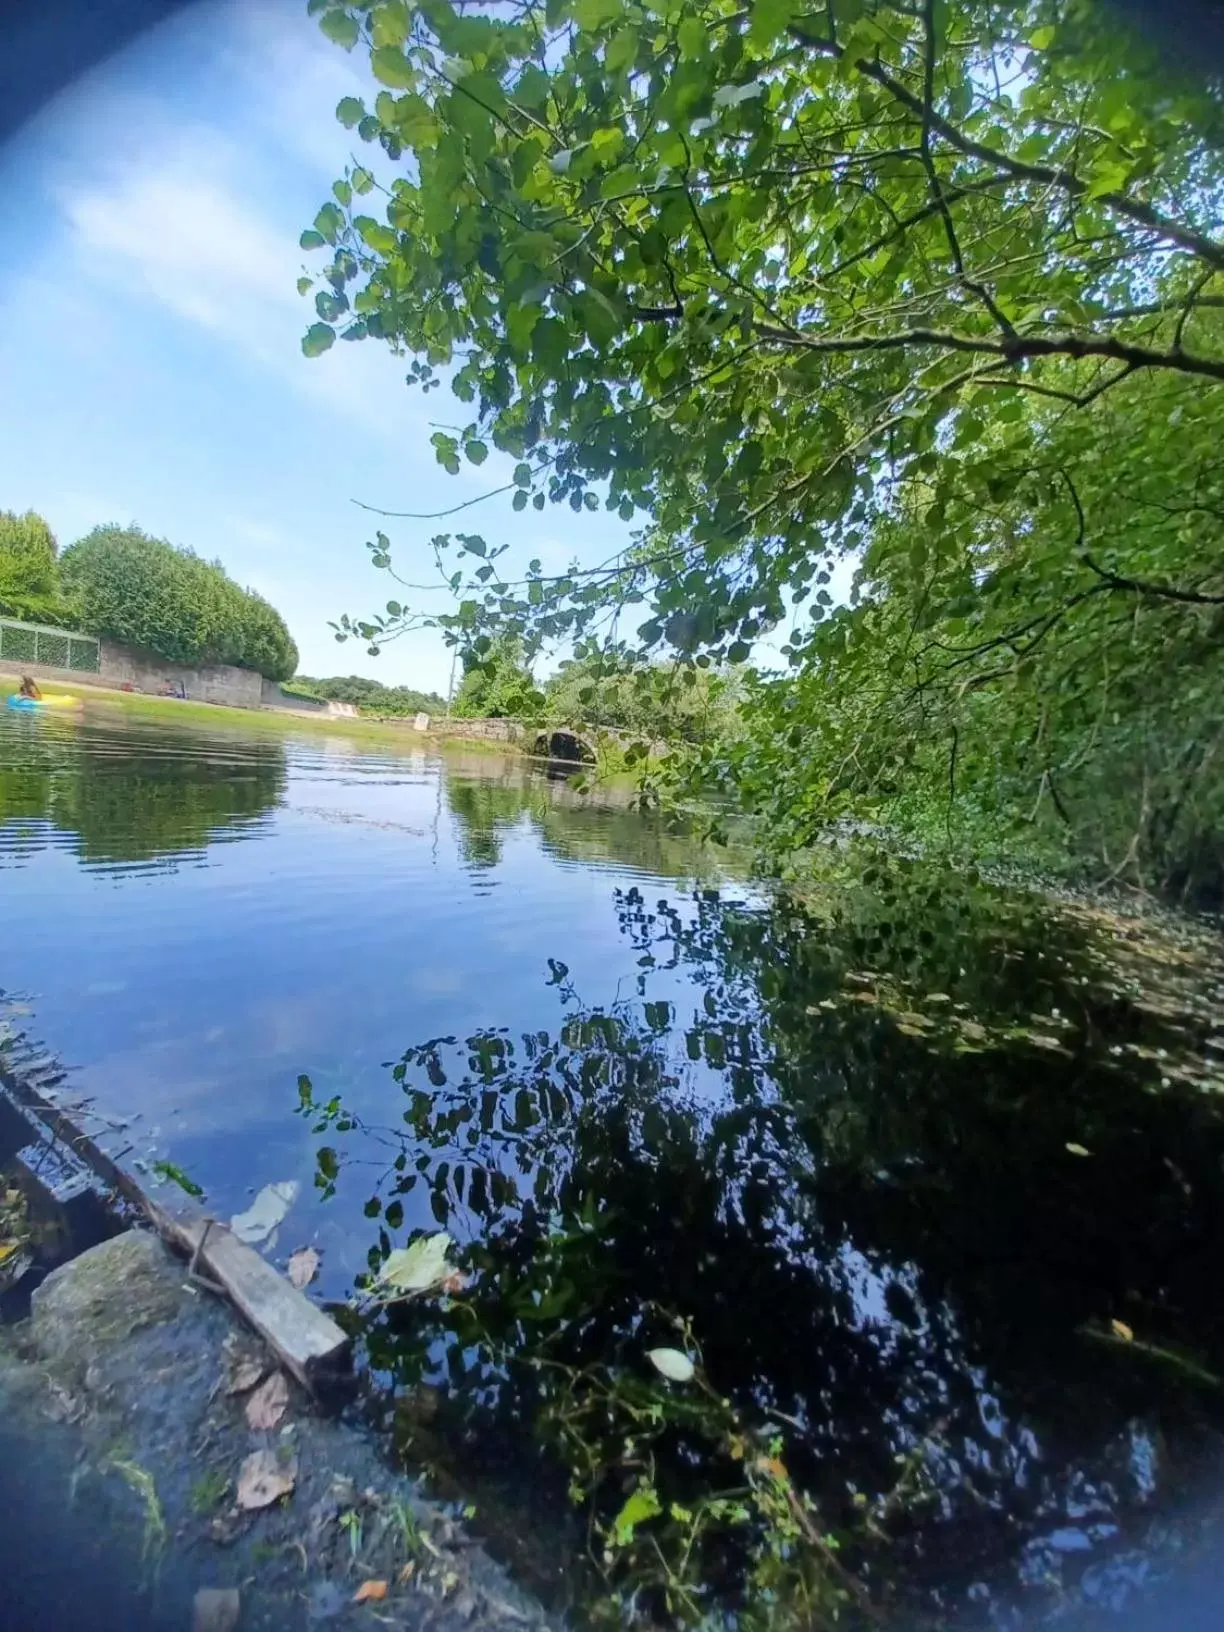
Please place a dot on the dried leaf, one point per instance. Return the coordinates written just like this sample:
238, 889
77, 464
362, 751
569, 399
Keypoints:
1078, 1150
265, 1212
262, 1480
303, 1267
268, 1404
370, 1592
216, 1609
1120, 1329
245, 1375
417, 1268
674, 1365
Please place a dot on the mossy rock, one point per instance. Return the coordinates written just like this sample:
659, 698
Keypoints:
97, 1301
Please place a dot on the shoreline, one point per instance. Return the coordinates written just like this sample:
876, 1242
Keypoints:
129, 1417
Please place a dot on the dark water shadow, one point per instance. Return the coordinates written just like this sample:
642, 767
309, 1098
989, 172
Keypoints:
930, 1178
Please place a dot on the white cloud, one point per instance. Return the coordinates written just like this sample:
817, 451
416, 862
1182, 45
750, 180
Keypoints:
205, 220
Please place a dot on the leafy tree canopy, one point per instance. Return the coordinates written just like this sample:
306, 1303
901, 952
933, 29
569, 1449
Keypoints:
497, 683
661, 702
144, 591
895, 281
29, 569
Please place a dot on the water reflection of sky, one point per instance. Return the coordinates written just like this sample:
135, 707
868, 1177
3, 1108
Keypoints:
189, 987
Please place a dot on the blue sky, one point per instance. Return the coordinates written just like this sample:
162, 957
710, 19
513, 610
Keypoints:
150, 335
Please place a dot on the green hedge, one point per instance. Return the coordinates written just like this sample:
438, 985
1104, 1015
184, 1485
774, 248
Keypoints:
143, 591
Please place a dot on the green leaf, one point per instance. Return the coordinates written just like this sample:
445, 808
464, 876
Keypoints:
692, 38
350, 110
415, 1269
319, 337
390, 23
311, 239
1041, 38
519, 502
329, 223
340, 27
769, 18
642, 1504
475, 452
391, 67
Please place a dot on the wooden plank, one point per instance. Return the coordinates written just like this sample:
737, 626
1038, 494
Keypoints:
306, 1341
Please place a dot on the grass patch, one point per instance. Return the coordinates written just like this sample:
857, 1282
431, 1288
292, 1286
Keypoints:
267, 721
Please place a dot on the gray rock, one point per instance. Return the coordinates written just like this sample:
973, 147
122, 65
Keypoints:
96, 1302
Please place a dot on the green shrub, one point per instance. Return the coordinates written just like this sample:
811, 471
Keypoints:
145, 592
497, 684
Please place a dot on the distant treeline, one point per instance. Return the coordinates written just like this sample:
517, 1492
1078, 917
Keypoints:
371, 696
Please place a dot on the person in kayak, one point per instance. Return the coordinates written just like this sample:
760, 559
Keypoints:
29, 689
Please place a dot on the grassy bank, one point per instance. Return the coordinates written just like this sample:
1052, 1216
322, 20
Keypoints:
171, 709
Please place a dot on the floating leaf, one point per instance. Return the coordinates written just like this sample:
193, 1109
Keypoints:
417, 1268
268, 1404
262, 1480
1078, 1150
673, 1364
643, 1504
175, 1175
265, 1212
303, 1267
370, 1592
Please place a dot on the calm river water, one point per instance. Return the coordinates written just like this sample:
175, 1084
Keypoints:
929, 1179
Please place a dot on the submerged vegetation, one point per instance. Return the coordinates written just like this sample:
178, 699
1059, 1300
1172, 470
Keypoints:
930, 290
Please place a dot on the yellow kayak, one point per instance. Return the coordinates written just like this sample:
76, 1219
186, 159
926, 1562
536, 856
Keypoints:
60, 700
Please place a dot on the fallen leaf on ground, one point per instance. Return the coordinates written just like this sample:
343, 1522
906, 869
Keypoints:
267, 1405
303, 1267
417, 1268
262, 1480
370, 1592
408, 1571
265, 1212
245, 1375
1120, 1329
673, 1365
216, 1609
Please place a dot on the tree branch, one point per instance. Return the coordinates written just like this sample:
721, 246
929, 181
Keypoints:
1134, 209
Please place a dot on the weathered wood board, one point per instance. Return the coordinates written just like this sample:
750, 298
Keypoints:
307, 1342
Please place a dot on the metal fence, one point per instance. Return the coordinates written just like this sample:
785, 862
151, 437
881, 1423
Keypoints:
57, 648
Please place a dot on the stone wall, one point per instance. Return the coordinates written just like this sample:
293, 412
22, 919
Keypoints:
125, 667
203, 683
486, 730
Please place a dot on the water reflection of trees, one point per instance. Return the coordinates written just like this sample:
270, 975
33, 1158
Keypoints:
132, 803
899, 1221
489, 800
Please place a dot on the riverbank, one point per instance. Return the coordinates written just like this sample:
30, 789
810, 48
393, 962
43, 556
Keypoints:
273, 721
135, 1415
